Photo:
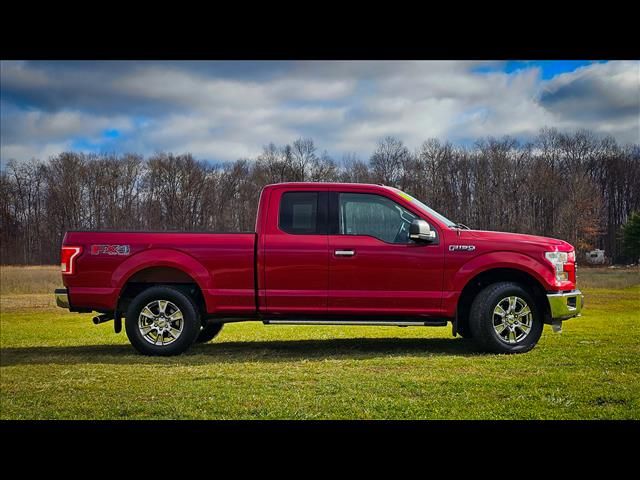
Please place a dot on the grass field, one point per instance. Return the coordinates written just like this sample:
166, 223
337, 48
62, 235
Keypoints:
54, 364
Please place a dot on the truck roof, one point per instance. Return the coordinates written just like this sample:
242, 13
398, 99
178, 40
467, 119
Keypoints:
327, 184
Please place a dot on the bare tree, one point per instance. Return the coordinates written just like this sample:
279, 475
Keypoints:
303, 154
389, 160
574, 186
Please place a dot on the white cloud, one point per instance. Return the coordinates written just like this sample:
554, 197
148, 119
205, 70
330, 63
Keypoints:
20, 74
186, 89
344, 106
58, 126
23, 152
309, 89
604, 97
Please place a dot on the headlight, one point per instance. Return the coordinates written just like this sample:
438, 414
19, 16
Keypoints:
558, 259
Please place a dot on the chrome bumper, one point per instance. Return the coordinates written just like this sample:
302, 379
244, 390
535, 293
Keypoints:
565, 305
62, 297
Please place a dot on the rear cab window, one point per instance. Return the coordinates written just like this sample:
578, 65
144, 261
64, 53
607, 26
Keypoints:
303, 213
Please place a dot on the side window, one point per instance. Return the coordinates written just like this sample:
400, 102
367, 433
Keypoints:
374, 215
299, 213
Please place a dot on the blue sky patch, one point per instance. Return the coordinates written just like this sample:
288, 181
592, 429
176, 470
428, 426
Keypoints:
111, 133
548, 68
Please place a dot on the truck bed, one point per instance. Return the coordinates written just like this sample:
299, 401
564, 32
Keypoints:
221, 264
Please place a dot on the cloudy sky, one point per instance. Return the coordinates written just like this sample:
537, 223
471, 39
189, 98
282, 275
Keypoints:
222, 111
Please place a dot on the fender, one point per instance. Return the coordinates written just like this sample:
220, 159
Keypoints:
163, 257
491, 261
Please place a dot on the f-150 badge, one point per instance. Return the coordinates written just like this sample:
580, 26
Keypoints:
462, 248
110, 249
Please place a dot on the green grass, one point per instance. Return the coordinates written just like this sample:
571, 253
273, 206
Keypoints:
56, 365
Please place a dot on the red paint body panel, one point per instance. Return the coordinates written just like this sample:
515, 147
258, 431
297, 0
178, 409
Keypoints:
383, 278
300, 274
221, 264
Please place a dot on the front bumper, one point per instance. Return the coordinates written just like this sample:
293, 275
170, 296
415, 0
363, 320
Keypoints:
62, 298
565, 305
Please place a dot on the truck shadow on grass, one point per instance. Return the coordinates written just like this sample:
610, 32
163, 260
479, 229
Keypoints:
237, 352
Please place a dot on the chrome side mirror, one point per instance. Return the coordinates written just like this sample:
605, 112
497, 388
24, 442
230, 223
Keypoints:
421, 232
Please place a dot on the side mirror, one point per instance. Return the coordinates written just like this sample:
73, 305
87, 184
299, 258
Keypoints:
421, 232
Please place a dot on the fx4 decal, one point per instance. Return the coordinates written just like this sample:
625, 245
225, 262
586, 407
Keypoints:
110, 249
462, 248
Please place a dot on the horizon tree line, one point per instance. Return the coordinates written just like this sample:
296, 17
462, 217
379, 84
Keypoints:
574, 186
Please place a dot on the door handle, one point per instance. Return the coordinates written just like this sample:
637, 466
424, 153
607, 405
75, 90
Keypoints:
345, 253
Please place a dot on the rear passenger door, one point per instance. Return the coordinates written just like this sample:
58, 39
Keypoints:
296, 253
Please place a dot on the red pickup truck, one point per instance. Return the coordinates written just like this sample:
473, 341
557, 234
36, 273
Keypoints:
324, 254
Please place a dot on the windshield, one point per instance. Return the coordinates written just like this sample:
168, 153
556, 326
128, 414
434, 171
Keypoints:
431, 211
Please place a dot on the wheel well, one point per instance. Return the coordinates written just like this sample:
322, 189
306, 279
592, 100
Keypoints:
477, 283
152, 276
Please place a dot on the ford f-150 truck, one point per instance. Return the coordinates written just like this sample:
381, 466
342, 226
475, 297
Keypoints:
323, 254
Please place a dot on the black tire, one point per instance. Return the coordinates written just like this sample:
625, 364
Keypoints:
190, 321
482, 319
208, 332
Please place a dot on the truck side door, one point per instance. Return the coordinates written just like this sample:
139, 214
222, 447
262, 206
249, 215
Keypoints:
374, 268
296, 252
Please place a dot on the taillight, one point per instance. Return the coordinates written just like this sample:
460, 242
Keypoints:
67, 262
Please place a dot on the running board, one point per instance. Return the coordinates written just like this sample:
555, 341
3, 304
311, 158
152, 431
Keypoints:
399, 323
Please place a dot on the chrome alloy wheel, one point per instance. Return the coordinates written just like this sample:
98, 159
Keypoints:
160, 322
512, 319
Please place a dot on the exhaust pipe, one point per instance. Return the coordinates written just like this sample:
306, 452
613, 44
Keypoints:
105, 317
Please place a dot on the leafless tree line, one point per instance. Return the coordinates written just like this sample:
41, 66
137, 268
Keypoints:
575, 186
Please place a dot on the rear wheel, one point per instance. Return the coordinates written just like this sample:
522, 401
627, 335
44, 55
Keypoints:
504, 318
162, 321
208, 332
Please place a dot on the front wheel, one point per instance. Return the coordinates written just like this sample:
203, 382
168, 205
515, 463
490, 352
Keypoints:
504, 318
162, 321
